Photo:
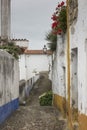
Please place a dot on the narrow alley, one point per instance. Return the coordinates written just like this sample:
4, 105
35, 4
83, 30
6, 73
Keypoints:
32, 116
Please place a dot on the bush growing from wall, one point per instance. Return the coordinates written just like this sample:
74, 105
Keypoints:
12, 49
52, 41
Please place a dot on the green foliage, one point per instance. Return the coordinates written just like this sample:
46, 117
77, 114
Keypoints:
11, 48
63, 19
59, 18
46, 99
52, 39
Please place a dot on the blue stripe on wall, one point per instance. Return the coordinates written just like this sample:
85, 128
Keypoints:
7, 109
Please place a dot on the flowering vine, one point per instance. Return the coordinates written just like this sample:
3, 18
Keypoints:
59, 24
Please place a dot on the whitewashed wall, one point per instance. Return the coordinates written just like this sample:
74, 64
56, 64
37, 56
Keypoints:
21, 42
22, 66
25, 88
9, 85
59, 68
79, 40
33, 64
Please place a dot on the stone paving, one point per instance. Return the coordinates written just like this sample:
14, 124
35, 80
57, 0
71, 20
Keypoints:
32, 116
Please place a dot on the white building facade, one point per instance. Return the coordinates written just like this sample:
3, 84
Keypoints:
21, 42
79, 63
33, 62
77, 111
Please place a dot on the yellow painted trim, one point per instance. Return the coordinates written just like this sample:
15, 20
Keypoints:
68, 70
82, 119
60, 103
75, 115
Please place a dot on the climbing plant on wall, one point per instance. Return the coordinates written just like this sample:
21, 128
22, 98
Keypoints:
59, 19
11, 48
59, 25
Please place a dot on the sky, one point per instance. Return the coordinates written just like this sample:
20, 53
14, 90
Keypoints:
31, 20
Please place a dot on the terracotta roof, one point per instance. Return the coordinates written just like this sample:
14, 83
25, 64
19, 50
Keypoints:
37, 52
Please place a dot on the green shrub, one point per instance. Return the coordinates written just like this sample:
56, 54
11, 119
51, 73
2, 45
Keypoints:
52, 40
46, 99
11, 48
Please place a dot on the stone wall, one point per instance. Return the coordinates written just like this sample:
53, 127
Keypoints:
9, 85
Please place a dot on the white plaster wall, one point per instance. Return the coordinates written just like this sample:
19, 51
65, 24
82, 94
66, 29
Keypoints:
22, 43
9, 78
74, 77
55, 74
82, 57
29, 64
22, 67
79, 38
15, 85
59, 66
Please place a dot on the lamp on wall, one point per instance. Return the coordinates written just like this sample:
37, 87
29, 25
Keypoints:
44, 49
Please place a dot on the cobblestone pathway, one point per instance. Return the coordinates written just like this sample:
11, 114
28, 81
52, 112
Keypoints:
35, 117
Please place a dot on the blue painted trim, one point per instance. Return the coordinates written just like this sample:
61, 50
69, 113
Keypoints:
7, 109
